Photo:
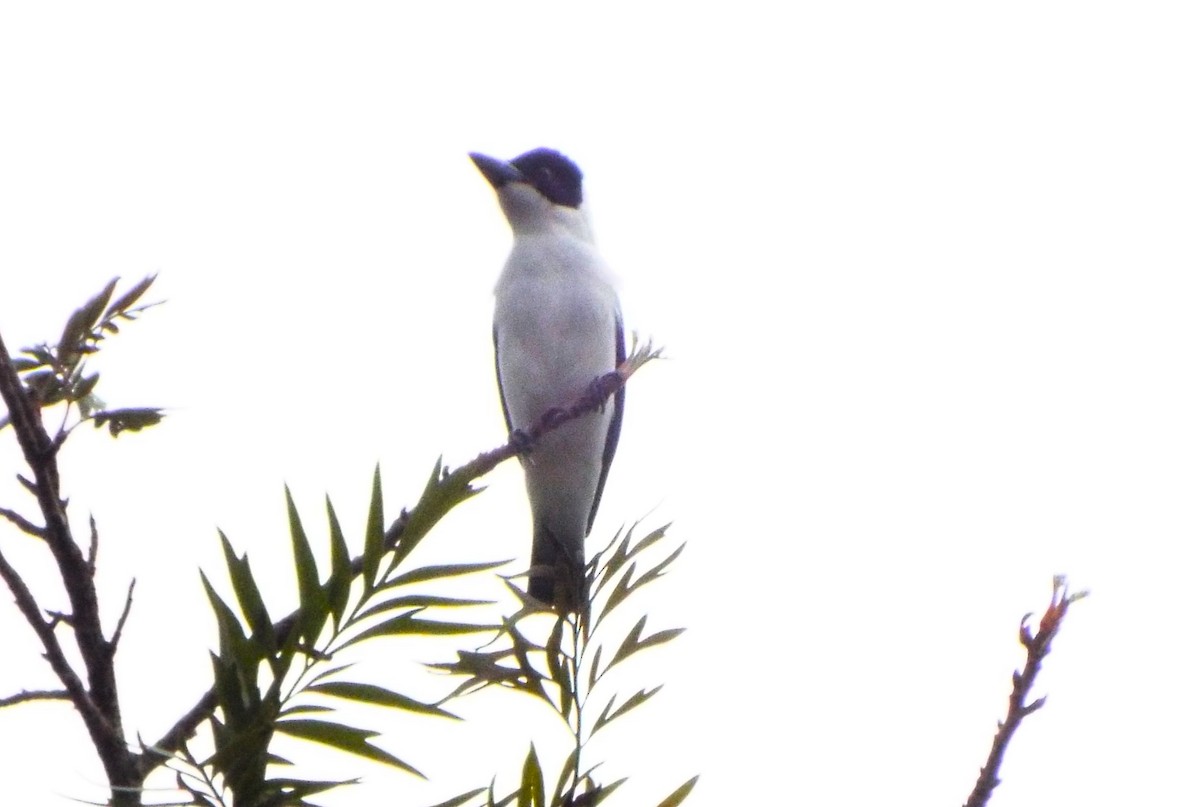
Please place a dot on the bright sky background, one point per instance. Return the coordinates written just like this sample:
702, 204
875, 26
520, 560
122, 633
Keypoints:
926, 273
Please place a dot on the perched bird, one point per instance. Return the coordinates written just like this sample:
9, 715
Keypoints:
557, 328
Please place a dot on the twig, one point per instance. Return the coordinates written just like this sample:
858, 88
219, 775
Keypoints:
22, 523
53, 650
1037, 647
93, 545
25, 696
116, 637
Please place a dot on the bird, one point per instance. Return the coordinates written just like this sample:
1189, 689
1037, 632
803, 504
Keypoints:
557, 328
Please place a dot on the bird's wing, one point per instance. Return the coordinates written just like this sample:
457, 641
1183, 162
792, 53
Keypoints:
614, 425
500, 381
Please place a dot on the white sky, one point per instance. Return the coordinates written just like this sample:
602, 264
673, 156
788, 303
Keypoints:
927, 274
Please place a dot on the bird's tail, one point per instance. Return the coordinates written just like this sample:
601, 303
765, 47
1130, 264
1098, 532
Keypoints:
556, 574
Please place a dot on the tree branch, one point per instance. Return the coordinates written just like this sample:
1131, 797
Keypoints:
592, 399
98, 704
25, 696
1037, 648
22, 523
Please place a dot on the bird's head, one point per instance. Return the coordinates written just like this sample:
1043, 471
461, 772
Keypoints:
540, 189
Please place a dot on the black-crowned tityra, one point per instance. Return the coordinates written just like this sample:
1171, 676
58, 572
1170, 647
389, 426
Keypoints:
557, 328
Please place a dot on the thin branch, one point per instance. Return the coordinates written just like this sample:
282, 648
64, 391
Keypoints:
592, 399
53, 650
116, 637
1037, 647
25, 696
93, 545
22, 523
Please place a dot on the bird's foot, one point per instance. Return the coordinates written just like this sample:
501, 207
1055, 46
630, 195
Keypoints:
521, 439
601, 387
554, 416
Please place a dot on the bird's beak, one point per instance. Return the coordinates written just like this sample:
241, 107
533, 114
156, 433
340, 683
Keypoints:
498, 172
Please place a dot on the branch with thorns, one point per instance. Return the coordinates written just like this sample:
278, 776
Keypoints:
1037, 648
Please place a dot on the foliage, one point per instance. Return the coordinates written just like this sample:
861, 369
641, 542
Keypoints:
54, 374
565, 669
277, 676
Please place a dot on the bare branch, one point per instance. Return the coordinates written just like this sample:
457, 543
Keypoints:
116, 637
93, 545
28, 695
1037, 647
45, 631
22, 523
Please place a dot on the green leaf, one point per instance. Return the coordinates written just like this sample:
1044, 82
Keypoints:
329, 673
126, 300
614, 563
532, 791
556, 661
373, 547
594, 670
313, 606
601, 793
633, 642
443, 492
652, 538
289, 790
618, 594
234, 646
80, 324
84, 386
249, 597
629, 705
462, 798
21, 364
340, 573
369, 693
658, 570
344, 738
565, 774
408, 624
440, 572
305, 709
418, 601
127, 420
676, 798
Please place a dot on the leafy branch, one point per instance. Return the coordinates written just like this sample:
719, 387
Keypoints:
265, 671
564, 671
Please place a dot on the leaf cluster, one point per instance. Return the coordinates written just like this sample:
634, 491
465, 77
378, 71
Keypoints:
565, 666
58, 373
277, 676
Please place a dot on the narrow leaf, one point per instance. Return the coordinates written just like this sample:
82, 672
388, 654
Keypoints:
461, 799
629, 705
313, 605
440, 572
249, 597
418, 601
373, 544
126, 300
344, 738
407, 624
532, 792
340, 575
369, 693
443, 492
676, 798
132, 419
